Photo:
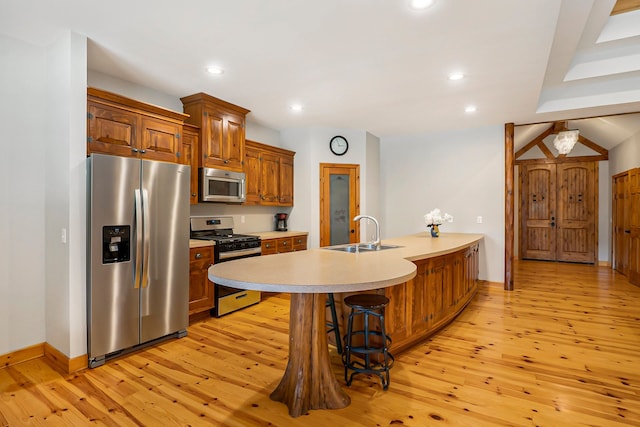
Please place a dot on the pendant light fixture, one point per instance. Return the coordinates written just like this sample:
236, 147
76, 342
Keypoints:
565, 140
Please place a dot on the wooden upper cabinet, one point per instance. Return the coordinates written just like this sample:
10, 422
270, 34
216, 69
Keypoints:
286, 181
125, 127
269, 175
222, 131
160, 140
190, 148
111, 130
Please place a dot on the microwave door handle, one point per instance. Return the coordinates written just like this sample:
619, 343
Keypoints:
137, 271
145, 250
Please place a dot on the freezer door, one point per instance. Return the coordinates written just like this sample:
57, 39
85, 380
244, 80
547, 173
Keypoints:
112, 296
164, 307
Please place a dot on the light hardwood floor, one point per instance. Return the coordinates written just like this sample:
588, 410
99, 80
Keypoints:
563, 349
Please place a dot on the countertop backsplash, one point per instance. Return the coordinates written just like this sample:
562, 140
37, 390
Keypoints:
246, 219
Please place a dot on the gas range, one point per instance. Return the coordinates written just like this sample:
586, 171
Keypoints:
228, 246
220, 230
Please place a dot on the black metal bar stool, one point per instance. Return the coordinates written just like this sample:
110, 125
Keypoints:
333, 324
371, 350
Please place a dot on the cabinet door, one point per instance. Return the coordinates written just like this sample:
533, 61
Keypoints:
435, 274
160, 140
233, 147
270, 175
212, 135
397, 315
111, 130
254, 175
190, 153
286, 181
200, 287
419, 300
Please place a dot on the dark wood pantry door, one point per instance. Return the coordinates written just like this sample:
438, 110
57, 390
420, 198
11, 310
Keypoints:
621, 225
634, 229
559, 211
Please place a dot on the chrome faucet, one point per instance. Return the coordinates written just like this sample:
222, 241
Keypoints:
376, 242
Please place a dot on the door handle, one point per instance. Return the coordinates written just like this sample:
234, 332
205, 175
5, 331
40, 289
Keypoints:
138, 225
553, 224
353, 231
145, 224
627, 231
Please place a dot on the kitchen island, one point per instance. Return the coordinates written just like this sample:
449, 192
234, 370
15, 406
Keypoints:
308, 382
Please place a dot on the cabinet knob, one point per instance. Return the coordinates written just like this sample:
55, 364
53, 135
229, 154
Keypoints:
226, 161
284, 243
198, 255
135, 150
193, 194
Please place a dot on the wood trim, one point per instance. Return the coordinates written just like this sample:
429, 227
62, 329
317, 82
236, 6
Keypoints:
261, 146
564, 159
624, 6
535, 141
22, 355
121, 101
203, 97
509, 157
62, 363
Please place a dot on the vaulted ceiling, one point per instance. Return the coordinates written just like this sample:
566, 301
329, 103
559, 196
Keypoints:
365, 64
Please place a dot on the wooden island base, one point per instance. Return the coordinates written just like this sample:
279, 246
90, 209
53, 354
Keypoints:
308, 382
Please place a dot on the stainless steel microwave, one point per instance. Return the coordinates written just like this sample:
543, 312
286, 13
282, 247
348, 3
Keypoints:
218, 185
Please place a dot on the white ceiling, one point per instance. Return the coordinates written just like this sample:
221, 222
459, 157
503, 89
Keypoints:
361, 64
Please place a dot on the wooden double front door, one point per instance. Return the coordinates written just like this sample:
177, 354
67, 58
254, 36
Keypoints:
559, 211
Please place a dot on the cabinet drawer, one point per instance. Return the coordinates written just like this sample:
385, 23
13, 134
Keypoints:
200, 256
300, 243
238, 300
269, 247
285, 244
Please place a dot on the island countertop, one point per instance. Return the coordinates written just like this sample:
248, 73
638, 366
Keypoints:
325, 271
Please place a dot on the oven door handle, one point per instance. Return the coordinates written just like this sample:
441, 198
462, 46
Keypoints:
228, 256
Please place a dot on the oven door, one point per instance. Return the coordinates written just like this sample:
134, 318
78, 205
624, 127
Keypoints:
230, 299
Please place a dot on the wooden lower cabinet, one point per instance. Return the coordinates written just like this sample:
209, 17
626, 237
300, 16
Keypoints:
441, 289
201, 296
284, 244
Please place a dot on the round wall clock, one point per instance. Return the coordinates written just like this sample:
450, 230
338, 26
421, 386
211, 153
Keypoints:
339, 145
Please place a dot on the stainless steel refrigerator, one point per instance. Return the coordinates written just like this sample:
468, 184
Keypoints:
138, 254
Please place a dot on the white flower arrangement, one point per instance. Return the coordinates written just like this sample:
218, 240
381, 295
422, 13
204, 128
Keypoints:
435, 217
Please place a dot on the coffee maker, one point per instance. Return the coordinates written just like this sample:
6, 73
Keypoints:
281, 221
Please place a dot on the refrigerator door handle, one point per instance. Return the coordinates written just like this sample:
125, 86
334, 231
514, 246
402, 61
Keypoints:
145, 250
137, 266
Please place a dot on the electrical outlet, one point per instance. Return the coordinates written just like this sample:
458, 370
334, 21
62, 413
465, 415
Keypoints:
241, 219
479, 220
63, 235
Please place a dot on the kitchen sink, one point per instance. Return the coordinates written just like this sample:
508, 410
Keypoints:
362, 247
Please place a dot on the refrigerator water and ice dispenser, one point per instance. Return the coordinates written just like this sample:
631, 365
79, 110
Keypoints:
116, 243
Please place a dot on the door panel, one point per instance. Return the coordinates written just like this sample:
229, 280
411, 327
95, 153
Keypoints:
538, 201
113, 297
621, 226
339, 203
576, 212
559, 211
164, 300
634, 229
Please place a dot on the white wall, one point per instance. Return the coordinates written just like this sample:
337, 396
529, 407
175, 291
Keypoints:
462, 173
312, 148
625, 156
22, 194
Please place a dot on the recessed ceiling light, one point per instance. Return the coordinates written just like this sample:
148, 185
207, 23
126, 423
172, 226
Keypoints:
215, 70
296, 107
421, 4
470, 109
456, 76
